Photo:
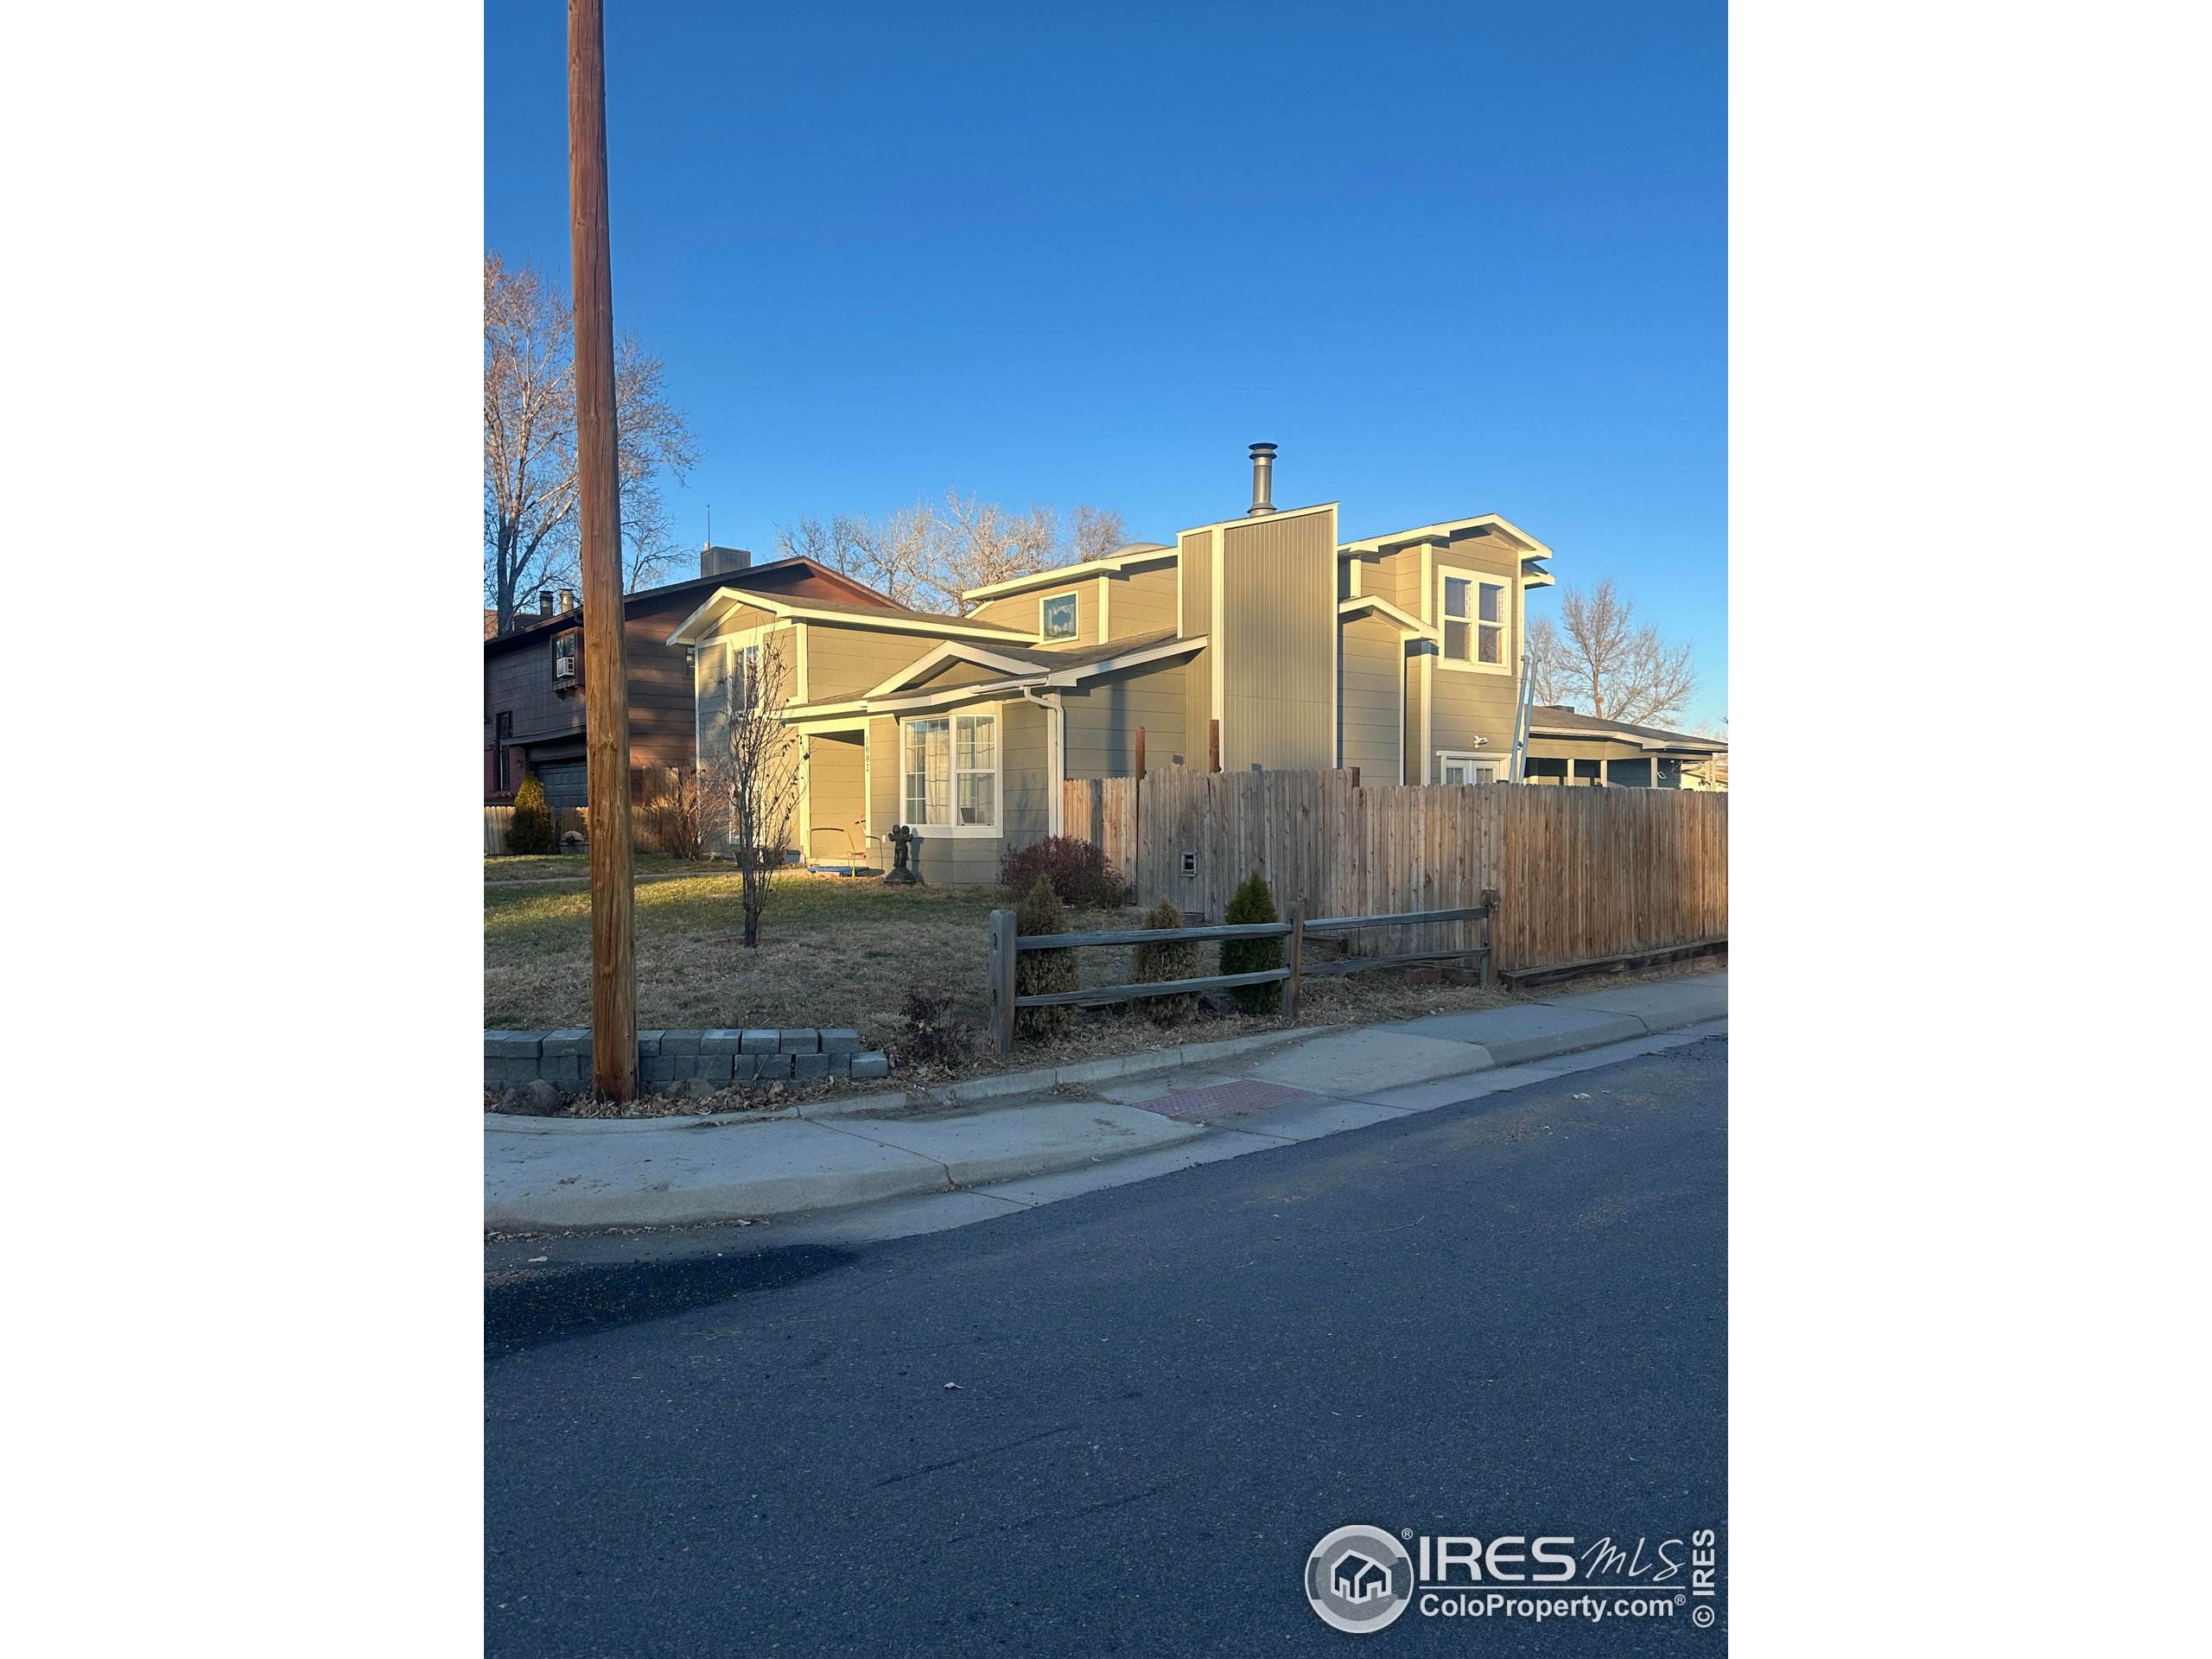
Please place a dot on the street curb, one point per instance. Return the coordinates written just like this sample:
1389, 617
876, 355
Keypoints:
796, 1194
784, 1195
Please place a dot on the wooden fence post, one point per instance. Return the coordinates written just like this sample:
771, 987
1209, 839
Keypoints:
1213, 746
1489, 939
1003, 957
1296, 955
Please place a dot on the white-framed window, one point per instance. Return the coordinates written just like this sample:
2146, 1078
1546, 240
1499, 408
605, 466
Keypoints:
743, 671
1467, 768
1056, 616
952, 772
1474, 610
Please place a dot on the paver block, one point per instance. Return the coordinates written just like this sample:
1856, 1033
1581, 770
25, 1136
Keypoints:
761, 1042
772, 1066
810, 1066
841, 1065
808, 1041
681, 1042
871, 1065
570, 1039
743, 1068
713, 1068
648, 1043
841, 1041
512, 1044
721, 1042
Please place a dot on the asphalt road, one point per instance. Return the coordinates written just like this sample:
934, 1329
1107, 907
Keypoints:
1503, 1317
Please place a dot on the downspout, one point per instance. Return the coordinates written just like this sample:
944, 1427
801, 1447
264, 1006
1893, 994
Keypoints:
1056, 749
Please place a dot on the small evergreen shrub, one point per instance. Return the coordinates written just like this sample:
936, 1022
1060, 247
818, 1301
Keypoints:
1177, 959
1076, 870
1253, 902
1041, 971
530, 828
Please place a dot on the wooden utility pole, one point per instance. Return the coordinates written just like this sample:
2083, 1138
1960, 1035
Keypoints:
607, 680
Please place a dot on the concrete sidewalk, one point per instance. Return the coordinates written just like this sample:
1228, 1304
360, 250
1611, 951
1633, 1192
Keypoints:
1024, 1148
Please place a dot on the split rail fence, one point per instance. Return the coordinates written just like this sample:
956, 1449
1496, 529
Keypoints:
1007, 945
1582, 874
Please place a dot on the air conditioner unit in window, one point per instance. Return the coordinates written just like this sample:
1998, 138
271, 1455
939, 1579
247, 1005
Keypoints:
564, 668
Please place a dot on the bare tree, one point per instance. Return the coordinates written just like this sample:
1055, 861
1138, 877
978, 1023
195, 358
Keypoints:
752, 772
1596, 654
926, 556
530, 456
1096, 531
984, 543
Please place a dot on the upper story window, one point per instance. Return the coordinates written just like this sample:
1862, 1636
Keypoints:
744, 675
952, 772
568, 657
1056, 619
1472, 608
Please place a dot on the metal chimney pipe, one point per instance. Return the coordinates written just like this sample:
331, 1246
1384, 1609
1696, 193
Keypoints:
545, 602
1263, 467
567, 600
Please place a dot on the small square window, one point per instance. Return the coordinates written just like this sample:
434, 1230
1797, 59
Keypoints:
1059, 617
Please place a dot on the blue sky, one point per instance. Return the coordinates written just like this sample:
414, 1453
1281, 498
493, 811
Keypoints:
1452, 259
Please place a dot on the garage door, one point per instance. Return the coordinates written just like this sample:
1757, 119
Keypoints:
565, 783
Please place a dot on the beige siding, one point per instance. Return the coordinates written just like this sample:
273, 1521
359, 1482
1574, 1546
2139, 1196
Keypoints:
884, 805
1469, 706
1371, 685
1278, 632
1025, 614
844, 662
1103, 715
836, 791
956, 672
1142, 600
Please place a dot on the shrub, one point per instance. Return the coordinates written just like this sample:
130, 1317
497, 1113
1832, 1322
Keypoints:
1076, 870
530, 828
1252, 902
1177, 959
933, 1036
669, 824
1040, 971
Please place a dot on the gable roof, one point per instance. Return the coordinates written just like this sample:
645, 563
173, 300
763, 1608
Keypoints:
1486, 526
776, 574
702, 622
1547, 720
1120, 559
1029, 664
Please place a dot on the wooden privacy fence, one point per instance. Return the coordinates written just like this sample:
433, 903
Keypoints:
1585, 873
1102, 812
1007, 946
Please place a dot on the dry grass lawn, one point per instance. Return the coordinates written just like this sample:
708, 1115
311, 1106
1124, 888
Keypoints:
842, 951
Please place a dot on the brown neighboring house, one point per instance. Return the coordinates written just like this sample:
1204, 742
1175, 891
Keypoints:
533, 674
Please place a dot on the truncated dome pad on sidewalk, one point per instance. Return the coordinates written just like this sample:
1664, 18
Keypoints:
1223, 1100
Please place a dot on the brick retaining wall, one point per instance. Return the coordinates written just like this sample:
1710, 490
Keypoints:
563, 1057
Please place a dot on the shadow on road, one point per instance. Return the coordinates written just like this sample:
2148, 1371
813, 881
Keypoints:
568, 1302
